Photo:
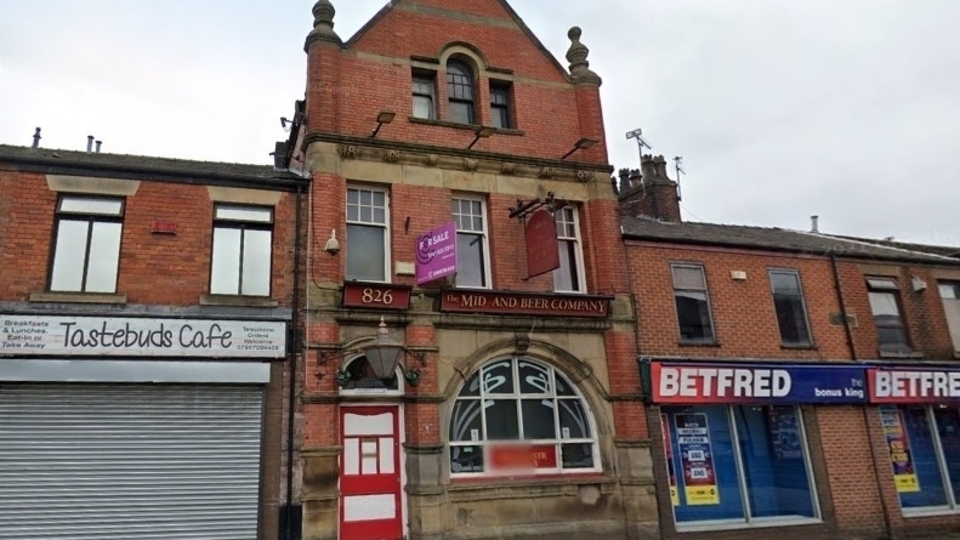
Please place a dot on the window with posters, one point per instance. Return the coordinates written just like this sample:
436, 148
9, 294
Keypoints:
738, 464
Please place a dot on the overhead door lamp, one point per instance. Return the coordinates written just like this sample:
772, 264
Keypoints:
382, 353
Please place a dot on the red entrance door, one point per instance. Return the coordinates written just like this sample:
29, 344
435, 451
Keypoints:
370, 474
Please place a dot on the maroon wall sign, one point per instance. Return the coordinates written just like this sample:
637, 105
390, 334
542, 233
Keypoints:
376, 296
543, 254
545, 305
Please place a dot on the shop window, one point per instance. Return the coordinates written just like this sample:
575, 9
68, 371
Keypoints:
693, 303
790, 308
424, 95
518, 416
500, 105
86, 254
738, 465
950, 293
924, 447
367, 234
885, 305
242, 250
460, 92
569, 276
473, 252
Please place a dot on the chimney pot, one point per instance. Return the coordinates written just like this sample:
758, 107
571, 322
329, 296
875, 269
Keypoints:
815, 224
98, 146
36, 139
89, 143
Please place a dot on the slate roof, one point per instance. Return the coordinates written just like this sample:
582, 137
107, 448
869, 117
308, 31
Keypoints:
139, 164
772, 238
946, 251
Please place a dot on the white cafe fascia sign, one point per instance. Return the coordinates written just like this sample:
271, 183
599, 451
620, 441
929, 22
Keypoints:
33, 335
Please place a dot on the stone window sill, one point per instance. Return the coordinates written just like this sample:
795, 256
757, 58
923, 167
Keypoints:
799, 347
78, 298
468, 127
238, 301
911, 355
698, 343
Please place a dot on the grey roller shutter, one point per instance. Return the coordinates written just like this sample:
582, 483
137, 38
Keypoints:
89, 462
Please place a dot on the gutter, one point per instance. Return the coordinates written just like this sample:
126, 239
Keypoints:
292, 396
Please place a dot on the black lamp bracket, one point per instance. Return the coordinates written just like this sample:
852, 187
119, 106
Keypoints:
525, 208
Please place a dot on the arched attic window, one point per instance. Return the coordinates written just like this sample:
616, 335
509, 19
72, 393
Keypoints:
460, 90
517, 415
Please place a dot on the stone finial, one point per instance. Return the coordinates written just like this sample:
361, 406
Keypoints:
323, 12
577, 56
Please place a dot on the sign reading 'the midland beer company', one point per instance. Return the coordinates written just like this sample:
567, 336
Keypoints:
108, 336
513, 303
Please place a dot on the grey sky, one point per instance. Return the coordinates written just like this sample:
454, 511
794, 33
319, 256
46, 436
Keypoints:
781, 108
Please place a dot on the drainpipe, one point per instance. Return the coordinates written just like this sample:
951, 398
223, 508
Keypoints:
866, 415
292, 397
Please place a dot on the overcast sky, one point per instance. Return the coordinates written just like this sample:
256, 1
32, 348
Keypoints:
849, 109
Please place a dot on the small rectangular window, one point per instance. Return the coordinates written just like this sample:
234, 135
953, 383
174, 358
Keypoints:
569, 277
473, 268
500, 105
367, 234
950, 294
86, 255
424, 102
885, 306
242, 250
693, 303
790, 308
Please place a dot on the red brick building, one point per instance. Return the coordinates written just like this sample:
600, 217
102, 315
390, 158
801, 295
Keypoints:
800, 381
514, 412
144, 310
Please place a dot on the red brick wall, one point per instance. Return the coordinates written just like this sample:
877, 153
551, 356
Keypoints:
154, 268
745, 322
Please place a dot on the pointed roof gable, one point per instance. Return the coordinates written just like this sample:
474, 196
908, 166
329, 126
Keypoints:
503, 4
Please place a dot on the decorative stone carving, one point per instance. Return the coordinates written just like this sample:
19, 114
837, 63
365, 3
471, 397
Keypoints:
508, 168
348, 151
323, 13
391, 156
584, 176
545, 172
432, 160
470, 164
577, 56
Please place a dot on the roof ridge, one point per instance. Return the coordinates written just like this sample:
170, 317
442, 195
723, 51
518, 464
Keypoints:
46, 151
879, 245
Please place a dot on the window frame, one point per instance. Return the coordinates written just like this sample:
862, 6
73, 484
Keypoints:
452, 84
953, 325
429, 78
485, 238
243, 226
889, 285
517, 397
506, 88
89, 218
387, 275
952, 497
748, 520
706, 291
580, 287
803, 304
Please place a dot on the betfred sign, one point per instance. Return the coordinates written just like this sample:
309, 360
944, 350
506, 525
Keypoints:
913, 385
692, 383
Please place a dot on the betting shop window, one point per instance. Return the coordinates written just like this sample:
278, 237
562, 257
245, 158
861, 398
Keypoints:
424, 95
86, 254
460, 91
693, 303
950, 294
569, 276
790, 307
242, 250
924, 446
368, 238
520, 416
731, 465
500, 105
473, 250
885, 304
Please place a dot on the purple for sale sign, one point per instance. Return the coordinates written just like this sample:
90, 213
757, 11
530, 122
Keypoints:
437, 253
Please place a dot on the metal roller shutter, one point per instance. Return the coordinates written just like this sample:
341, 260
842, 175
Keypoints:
89, 462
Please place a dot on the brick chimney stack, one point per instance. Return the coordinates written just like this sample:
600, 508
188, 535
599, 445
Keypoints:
649, 192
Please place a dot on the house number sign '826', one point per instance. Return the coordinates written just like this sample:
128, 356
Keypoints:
370, 296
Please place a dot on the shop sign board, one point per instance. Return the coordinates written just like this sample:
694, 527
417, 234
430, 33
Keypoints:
518, 457
376, 296
437, 253
913, 385
34, 335
543, 251
511, 303
691, 383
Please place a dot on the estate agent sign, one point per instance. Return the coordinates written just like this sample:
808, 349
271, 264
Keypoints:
437, 253
108, 336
